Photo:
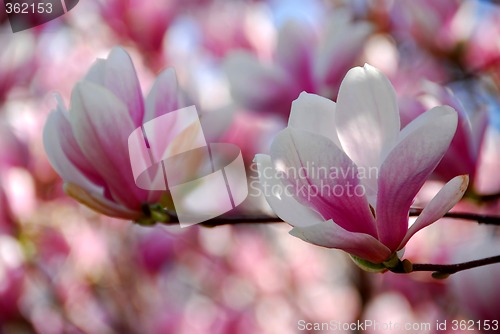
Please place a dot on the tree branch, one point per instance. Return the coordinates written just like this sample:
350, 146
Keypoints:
481, 219
442, 270
263, 219
403, 267
229, 220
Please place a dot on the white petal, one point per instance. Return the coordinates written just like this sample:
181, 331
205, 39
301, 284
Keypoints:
367, 116
314, 113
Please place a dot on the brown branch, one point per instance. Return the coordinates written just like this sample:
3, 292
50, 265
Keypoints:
481, 219
403, 267
442, 270
229, 220
263, 219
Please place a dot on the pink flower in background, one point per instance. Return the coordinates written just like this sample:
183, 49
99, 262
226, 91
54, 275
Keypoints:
483, 51
12, 279
142, 22
252, 133
14, 153
88, 145
488, 178
18, 61
462, 157
228, 26
438, 26
345, 176
302, 62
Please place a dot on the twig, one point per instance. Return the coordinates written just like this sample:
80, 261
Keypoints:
442, 270
228, 220
402, 267
263, 219
481, 219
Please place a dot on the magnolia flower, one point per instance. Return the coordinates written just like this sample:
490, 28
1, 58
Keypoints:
302, 62
88, 145
344, 175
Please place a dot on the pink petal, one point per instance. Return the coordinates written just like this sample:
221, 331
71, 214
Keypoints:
117, 73
99, 203
163, 97
421, 146
479, 124
445, 199
64, 153
367, 119
101, 126
285, 207
323, 177
315, 114
330, 235
488, 178
461, 157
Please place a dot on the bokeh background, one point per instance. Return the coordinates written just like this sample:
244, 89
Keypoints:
67, 269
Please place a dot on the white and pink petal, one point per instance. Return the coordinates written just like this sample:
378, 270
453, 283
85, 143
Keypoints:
421, 146
101, 131
444, 200
330, 235
322, 177
65, 154
163, 97
117, 73
367, 120
284, 205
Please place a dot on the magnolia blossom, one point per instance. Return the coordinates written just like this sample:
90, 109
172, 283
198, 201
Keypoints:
303, 61
344, 175
88, 145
